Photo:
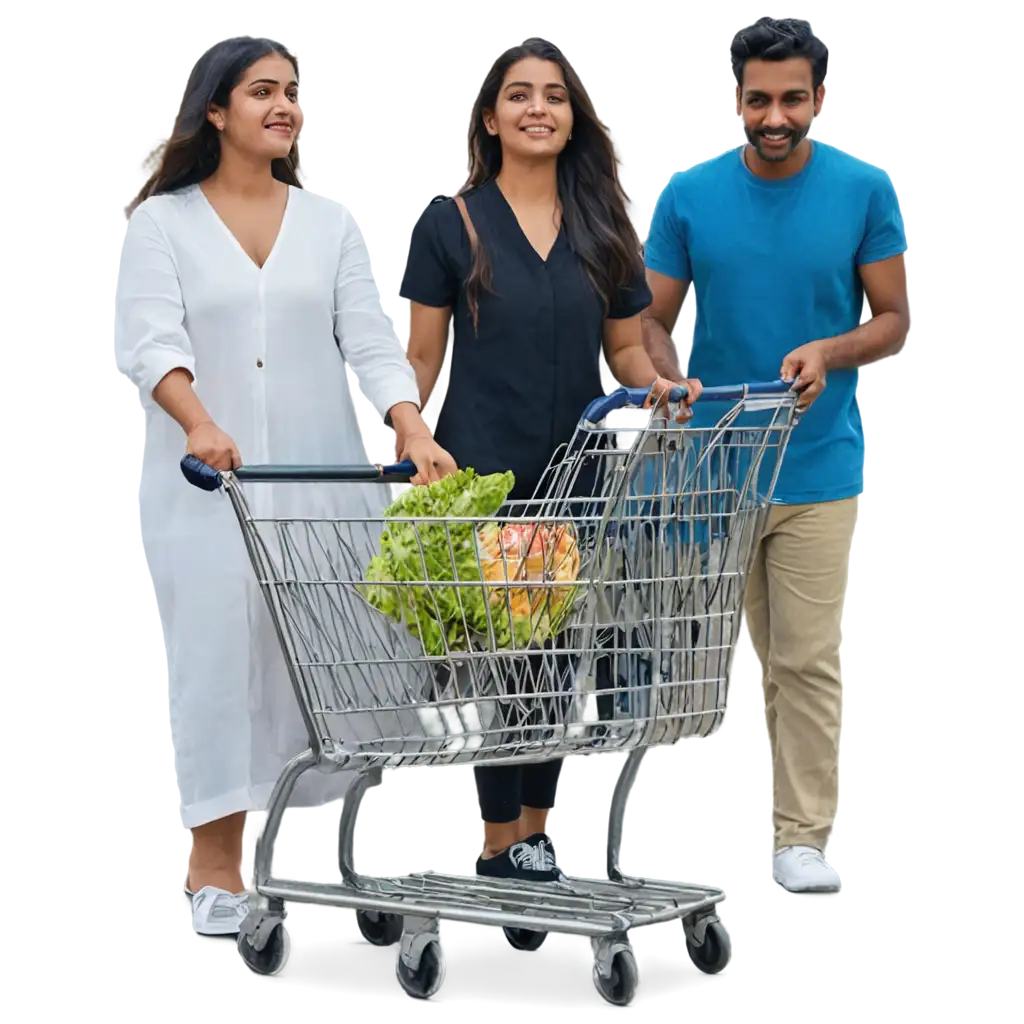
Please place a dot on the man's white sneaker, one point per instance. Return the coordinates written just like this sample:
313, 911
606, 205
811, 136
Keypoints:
804, 869
217, 912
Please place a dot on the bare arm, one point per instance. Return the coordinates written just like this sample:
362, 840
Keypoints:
204, 439
885, 285
631, 365
428, 339
659, 320
428, 342
175, 396
625, 352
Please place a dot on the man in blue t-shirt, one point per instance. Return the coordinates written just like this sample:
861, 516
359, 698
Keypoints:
782, 239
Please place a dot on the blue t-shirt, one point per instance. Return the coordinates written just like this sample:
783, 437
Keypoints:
774, 265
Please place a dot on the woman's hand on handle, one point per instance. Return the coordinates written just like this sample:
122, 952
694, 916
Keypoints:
414, 441
431, 460
208, 443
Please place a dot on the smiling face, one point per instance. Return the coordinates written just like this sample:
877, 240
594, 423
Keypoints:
532, 116
777, 102
262, 119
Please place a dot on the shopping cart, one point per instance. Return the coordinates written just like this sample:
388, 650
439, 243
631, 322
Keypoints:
629, 647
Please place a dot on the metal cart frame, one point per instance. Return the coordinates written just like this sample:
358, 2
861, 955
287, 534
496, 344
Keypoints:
407, 910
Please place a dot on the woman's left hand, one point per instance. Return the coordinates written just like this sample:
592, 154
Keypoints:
431, 460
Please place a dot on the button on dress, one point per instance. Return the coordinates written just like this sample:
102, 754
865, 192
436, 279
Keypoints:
268, 350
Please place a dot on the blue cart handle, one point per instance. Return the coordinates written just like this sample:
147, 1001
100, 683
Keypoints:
204, 477
623, 398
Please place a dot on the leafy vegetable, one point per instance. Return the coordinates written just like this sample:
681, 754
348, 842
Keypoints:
427, 560
438, 553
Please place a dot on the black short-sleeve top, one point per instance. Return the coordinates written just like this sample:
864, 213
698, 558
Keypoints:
517, 388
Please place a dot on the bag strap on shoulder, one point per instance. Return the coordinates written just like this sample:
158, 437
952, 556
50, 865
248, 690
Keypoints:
460, 202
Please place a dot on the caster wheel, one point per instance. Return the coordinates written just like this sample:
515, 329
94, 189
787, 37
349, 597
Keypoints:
271, 958
379, 929
620, 988
523, 938
715, 951
426, 980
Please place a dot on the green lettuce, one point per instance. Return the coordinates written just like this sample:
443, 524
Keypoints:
443, 617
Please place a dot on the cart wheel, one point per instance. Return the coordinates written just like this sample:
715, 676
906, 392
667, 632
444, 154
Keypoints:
379, 929
271, 958
714, 952
426, 979
523, 938
620, 988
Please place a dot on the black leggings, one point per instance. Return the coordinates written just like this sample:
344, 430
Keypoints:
500, 792
505, 789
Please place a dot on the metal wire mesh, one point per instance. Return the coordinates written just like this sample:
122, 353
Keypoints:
600, 615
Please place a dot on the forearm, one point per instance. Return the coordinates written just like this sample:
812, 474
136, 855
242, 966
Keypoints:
426, 377
174, 394
660, 348
632, 367
407, 421
880, 337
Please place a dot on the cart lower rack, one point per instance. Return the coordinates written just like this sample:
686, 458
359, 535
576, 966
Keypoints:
599, 616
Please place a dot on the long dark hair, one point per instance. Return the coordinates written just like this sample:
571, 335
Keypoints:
192, 153
593, 202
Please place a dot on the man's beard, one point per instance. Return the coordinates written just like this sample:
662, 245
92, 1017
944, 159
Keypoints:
795, 137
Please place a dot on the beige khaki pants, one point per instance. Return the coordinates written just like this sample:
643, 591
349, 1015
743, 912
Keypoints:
794, 607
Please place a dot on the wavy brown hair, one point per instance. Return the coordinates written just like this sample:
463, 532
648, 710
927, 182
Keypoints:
192, 153
593, 202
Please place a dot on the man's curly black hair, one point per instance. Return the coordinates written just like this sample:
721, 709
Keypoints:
769, 39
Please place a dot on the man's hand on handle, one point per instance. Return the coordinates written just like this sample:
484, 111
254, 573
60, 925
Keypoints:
805, 368
659, 396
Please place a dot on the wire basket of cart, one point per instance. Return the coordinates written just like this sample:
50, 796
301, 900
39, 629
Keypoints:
463, 628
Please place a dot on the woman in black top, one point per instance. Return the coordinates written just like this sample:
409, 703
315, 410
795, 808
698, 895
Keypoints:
551, 275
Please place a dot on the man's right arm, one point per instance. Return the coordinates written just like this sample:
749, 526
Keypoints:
659, 319
667, 256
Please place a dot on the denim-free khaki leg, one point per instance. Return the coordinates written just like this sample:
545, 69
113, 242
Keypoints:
794, 607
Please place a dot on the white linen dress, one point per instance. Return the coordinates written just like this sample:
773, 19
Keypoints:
267, 348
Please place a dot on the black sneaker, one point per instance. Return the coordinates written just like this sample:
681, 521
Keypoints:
546, 845
531, 860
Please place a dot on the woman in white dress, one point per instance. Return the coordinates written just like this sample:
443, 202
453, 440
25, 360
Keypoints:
240, 300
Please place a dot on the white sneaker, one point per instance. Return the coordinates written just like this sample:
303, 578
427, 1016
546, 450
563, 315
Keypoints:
804, 869
218, 912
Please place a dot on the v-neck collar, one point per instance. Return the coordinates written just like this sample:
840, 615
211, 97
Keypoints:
235, 242
517, 229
